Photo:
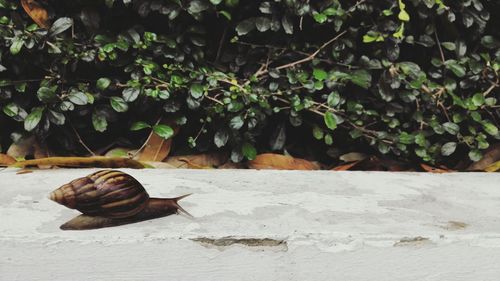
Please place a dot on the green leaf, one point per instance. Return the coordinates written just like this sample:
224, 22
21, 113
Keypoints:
130, 94
478, 99
103, 83
78, 98
263, 24
330, 120
245, 26
197, 6
361, 78
287, 24
318, 132
475, 155
136, 126
320, 18
451, 128
17, 45
404, 16
220, 138
319, 74
11, 109
196, 91
490, 128
56, 117
46, 94
383, 147
118, 104
455, 67
99, 121
333, 99
33, 118
328, 139
236, 122
406, 138
249, 151
226, 14
448, 148
60, 25
163, 131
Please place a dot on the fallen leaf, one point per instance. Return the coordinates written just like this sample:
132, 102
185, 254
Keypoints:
157, 148
491, 155
435, 170
157, 165
6, 160
122, 152
198, 161
24, 171
36, 12
21, 148
232, 165
353, 156
281, 162
495, 167
346, 167
96, 161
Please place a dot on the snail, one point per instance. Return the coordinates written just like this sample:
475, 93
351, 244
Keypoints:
110, 198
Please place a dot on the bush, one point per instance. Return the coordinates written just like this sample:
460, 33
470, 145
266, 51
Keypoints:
416, 79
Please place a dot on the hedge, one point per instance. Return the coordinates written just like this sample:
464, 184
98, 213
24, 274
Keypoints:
413, 79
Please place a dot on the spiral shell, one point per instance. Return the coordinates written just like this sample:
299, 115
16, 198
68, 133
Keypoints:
107, 193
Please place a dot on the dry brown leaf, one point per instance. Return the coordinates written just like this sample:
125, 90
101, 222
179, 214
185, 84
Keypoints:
97, 161
353, 156
157, 165
24, 171
491, 155
346, 167
232, 165
22, 148
6, 160
495, 167
281, 162
36, 12
198, 161
436, 170
157, 148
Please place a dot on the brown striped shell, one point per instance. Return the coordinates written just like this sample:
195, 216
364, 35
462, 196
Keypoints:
106, 193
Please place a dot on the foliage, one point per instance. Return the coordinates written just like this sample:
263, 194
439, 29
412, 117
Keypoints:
410, 78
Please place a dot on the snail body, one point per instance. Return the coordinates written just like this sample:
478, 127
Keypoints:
108, 198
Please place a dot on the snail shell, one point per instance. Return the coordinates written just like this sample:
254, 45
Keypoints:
109, 198
108, 193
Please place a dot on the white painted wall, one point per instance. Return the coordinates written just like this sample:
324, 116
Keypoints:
263, 225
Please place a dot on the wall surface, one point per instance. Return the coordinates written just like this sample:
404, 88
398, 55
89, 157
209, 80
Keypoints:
263, 225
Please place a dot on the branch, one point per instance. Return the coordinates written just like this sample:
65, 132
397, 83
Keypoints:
306, 59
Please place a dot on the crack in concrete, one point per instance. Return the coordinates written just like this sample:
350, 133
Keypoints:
415, 241
224, 242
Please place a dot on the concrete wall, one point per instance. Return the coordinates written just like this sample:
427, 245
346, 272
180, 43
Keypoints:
263, 225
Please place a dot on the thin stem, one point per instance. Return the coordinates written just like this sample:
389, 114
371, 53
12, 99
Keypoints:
80, 140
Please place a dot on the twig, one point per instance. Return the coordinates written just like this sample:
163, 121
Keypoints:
214, 100
147, 140
221, 43
367, 131
80, 140
310, 57
491, 88
439, 46
355, 6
